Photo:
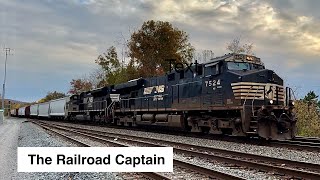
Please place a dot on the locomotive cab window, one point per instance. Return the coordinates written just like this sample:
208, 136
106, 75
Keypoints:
238, 66
212, 70
257, 66
244, 66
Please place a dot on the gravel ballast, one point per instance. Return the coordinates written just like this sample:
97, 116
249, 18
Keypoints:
282, 153
9, 134
34, 136
180, 173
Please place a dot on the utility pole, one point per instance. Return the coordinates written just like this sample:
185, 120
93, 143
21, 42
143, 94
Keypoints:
7, 51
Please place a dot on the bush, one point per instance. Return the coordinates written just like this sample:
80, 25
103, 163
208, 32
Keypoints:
308, 121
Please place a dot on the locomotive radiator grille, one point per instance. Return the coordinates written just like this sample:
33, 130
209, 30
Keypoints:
257, 91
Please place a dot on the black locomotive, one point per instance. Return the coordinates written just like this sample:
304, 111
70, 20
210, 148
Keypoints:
233, 94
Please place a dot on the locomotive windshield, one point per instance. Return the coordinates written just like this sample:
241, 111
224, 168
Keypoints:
243, 66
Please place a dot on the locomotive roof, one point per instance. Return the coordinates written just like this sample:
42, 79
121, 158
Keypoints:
131, 83
105, 88
233, 57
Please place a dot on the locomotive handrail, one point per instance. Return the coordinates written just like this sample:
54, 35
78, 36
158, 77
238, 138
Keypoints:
288, 118
289, 94
245, 99
294, 96
254, 98
277, 94
110, 106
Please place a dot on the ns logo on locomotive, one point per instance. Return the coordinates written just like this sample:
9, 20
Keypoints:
233, 94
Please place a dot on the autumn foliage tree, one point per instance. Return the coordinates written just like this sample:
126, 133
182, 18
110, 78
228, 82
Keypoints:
308, 117
148, 50
16, 105
154, 43
79, 85
51, 96
308, 121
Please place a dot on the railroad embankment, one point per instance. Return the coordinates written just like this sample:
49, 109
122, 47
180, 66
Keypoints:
14, 133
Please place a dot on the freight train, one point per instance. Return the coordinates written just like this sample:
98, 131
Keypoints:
233, 94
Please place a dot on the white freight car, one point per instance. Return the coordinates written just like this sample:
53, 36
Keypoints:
34, 110
58, 108
13, 112
43, 110
21, 111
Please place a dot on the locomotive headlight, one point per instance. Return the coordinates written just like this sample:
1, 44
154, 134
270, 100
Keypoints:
291, 103
271, 101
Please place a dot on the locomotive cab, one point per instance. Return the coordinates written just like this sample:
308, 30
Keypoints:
266, 104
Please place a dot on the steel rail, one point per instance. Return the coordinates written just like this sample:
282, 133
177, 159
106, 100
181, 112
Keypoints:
306, 139
208, 172
297, 144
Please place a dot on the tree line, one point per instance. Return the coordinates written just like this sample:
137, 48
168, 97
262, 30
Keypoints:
308, 115
146, 55
147, 52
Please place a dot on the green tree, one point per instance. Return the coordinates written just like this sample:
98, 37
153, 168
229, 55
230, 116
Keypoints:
154, 43
312, 99
109, 61
115, 72
51, 96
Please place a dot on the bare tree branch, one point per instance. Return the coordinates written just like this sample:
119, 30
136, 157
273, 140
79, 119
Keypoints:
235, 46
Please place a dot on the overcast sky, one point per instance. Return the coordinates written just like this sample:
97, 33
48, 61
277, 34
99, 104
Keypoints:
55, 41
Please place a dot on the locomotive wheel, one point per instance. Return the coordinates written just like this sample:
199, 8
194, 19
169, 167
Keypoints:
205, 130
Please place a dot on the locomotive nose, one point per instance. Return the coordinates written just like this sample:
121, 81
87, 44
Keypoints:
273, 77
261, 76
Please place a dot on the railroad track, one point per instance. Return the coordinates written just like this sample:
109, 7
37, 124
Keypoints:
208, 173
307, 139
290, 169
300, 143
305, 144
